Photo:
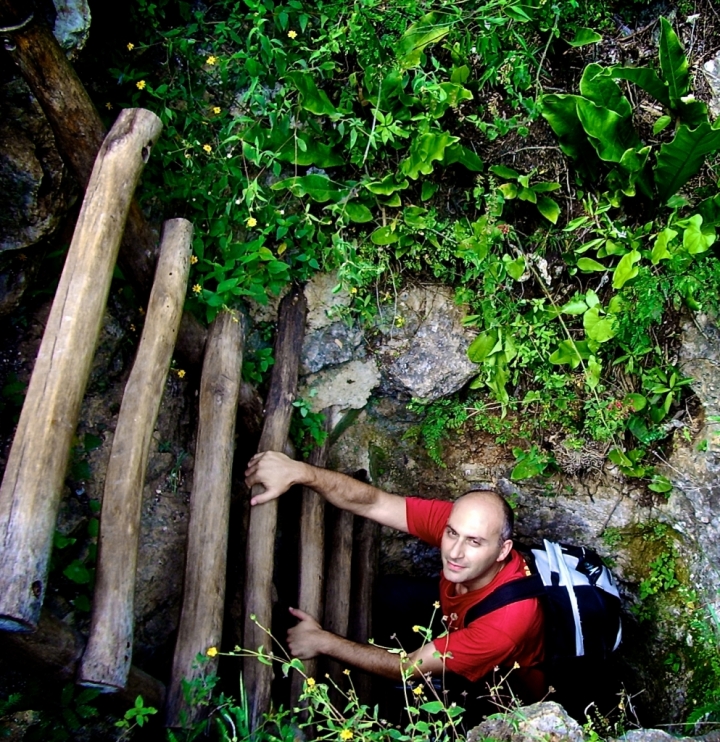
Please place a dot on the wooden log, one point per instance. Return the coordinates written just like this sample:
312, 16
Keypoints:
312, 559
31, 488
259, 560
204, 593
106, 661
364, 571
79, 133
55, 650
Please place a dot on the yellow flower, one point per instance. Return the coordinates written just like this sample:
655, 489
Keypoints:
346, 671
211, 60
310, 682
217, 110
416, 628
293, 35
436, 604
345, 735
353, 290
207, 148
251, 222
212, 652
181, 375
130, 46
418, 690
193, 259
197, 288
140, 84
108, 106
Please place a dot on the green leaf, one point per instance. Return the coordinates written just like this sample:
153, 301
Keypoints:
660, 247
504, 172
385, 235
466, 157
430, 29
610, 134
570, 352
661, 124
682, 158
575, 306
597, 85
588, 265
636, 401
549, 208
358, 212
660, 484
387, 186
626, 269
432, 707
593, 370
508, 190
673, 63
311, 97
585, 36
425, 149
484, 345
645, 78
77, 572
600, 329
319, 187
516, 268
560, 111
526, 469
696, 238
428, 190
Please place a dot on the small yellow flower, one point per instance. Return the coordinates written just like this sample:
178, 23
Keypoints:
346, 671
211, 60
293, 35
130, 46
197, 288
436, 604
310, 682
140, 84
216, 110
346, 735
353, 290
516, 666
418, 690
132, 328
108, 106
251, 222
181, 375
207, 148
212, 652
416, 628
193, 259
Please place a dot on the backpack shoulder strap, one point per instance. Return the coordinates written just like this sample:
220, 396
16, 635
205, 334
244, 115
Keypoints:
511, 592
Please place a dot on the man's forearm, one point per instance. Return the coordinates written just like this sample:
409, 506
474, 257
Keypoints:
365, 657
340, 490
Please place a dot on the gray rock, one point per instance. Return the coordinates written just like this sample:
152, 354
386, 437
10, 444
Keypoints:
711, 70
542, 721
346, 387
428, 345
72, 24
329, 346
324, 300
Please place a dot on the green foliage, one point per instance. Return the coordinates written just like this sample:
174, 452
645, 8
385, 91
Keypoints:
136, 716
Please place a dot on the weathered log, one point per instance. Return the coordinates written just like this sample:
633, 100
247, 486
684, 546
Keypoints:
106, 661
204, 593
55, 649
263, 518
364, 572
31, 488
79, 133
312, 560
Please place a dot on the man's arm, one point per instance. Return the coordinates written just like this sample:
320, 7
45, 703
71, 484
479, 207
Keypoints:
277, 473
308, 639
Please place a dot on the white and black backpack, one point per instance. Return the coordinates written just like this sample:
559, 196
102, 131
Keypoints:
579, 597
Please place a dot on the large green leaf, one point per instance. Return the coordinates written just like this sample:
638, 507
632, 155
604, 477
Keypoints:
358, 212
598, 328
387, 186
645, 78
679, 160
610, 133
673, 63
318, 187
428, 30
311, 97
484, 345
424, 150
602, 90
457, 153
584, 36
560, 111
698, 238
549, 208
385, 235
626, 269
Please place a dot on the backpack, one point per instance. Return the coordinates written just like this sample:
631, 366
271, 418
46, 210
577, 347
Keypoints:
579, 597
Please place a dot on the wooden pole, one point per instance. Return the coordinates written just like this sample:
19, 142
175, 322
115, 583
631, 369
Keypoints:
55, 650
31, 488
79, 133
106, 661
312, 560
204, 594
263, 518
364, 572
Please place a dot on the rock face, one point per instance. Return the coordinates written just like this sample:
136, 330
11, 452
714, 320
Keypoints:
541, 721
72, 24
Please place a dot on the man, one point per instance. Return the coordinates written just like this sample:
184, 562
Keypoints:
475, 539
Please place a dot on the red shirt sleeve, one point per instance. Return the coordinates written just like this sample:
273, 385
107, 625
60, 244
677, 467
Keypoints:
427, 518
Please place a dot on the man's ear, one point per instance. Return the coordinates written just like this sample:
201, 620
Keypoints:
505, 550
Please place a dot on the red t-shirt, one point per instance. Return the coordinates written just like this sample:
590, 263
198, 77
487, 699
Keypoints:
510, 634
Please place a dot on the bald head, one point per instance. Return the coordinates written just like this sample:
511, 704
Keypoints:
494, 506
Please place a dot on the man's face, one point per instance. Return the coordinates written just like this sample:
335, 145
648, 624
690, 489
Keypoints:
470, 549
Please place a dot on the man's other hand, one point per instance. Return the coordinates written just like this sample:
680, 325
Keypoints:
306, 639
274, 471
